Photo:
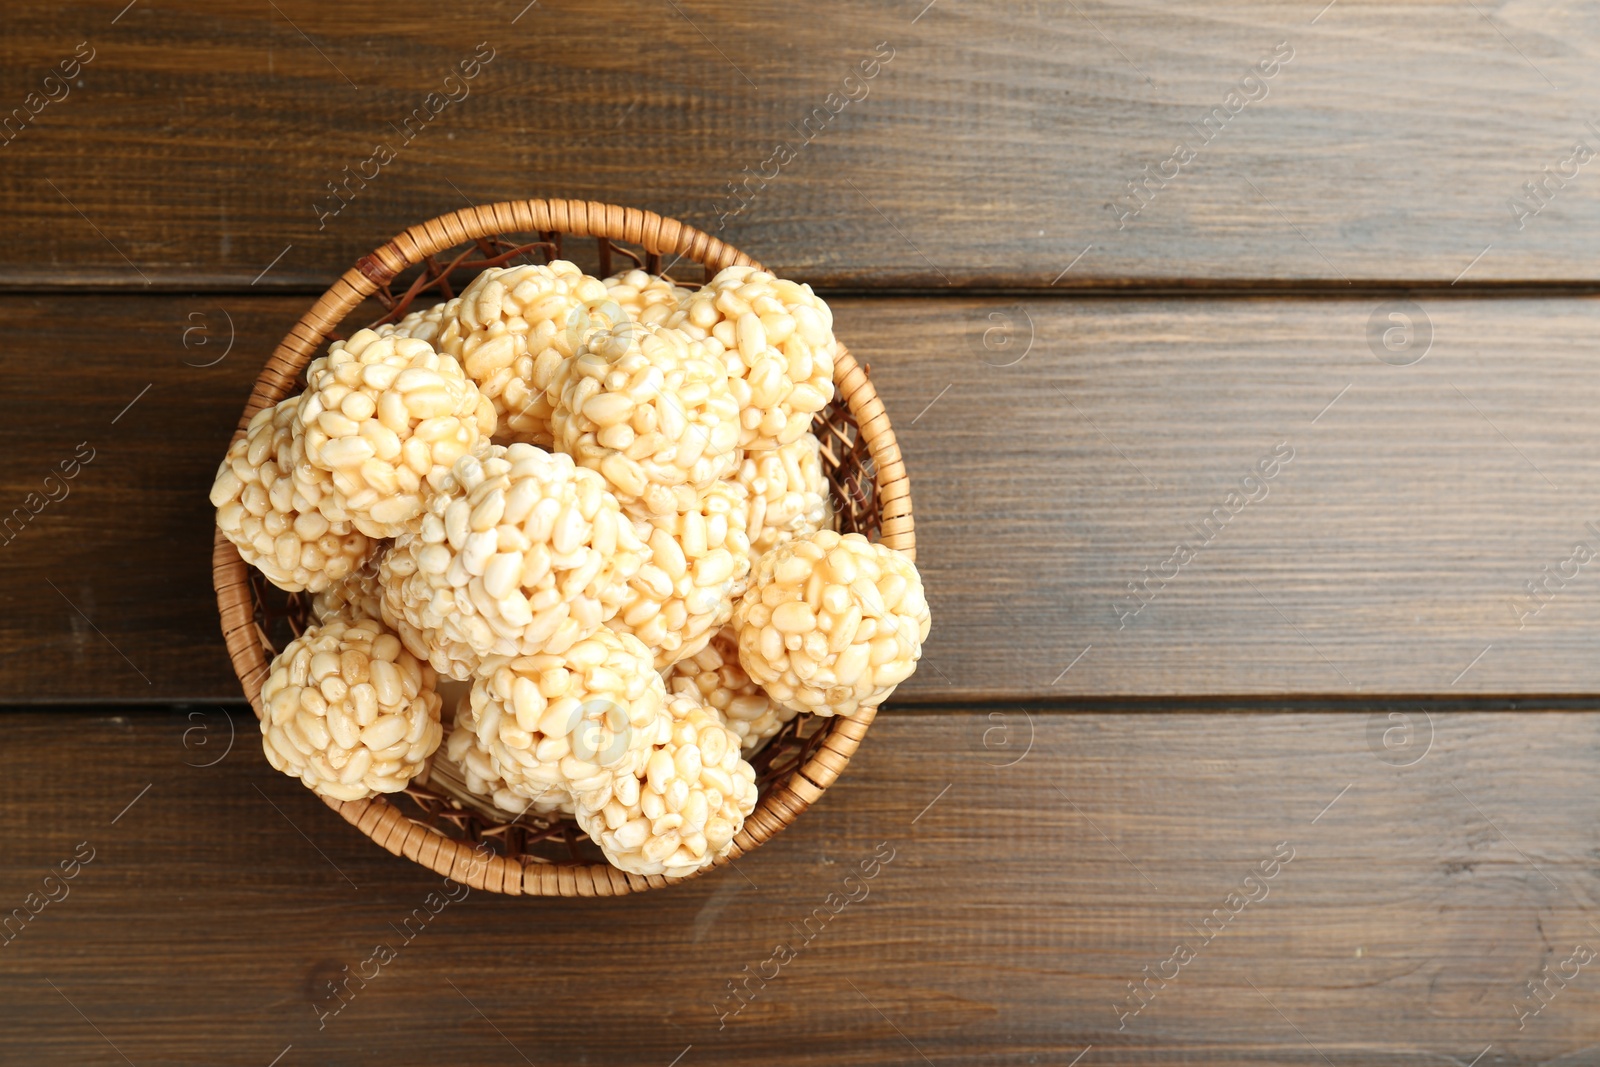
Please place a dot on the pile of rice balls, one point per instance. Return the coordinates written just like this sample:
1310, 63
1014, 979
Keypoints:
601, 504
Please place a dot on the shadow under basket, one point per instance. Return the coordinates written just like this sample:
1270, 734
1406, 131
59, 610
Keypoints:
436, 822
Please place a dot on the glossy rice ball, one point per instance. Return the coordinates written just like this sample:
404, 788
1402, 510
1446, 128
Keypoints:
356, 596
778, 340
518, 326
789, 494
652, 412
697, 563
522, 552
276, 528
387, 417
831, 623
482, 776
349, 711
438, 325
560, 727
713, 675
645, 297
682, 812
313, 487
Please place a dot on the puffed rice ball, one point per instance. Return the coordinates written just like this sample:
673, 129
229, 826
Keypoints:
652, 411
831, 623
789, 494
350, 712
275, 528
699, 561
483, 777
681, 813
518, 325
558, 727
358, 595
387, 417
714, 676
522, 552
313, 486
645, 297
438, 325
779, 345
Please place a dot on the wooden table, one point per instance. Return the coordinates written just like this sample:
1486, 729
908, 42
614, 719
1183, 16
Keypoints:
1317, 787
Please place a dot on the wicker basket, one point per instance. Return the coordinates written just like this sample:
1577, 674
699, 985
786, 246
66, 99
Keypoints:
435, 822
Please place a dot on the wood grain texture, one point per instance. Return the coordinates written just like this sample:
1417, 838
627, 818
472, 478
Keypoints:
1018, 904
197, 147
1390, 555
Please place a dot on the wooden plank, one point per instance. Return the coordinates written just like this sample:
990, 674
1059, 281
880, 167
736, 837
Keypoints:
1407, 909
996, 146
107, 589
1391, 554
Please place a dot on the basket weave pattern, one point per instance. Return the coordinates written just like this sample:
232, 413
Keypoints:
862, 461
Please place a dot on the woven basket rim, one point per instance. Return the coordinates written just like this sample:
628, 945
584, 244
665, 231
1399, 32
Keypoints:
383, 821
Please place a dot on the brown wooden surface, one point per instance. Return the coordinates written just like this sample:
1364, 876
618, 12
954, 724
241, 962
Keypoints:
1341, 670
1385, 557
1016, 908
985, 153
